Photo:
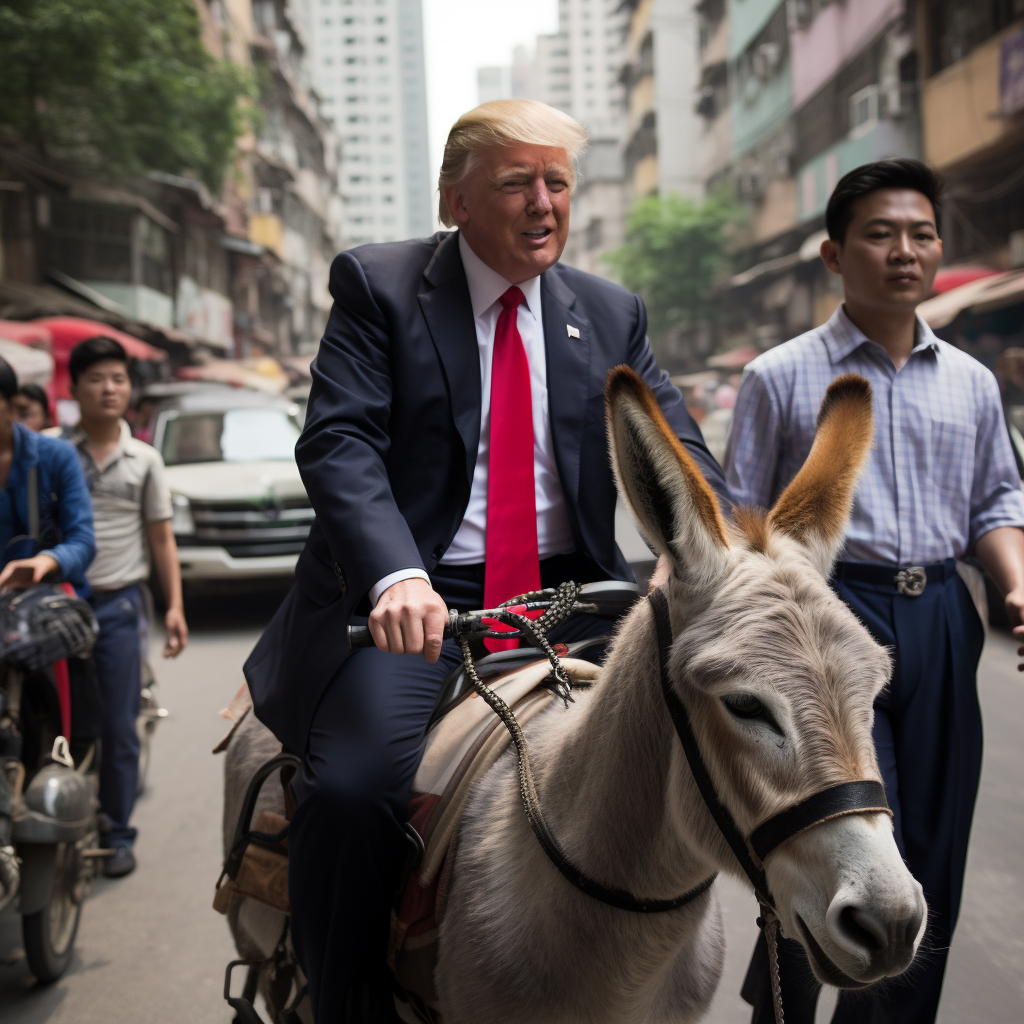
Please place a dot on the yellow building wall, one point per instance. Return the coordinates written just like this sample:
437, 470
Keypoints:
641, 100
960, 106
265, 229
778, 211
645, 177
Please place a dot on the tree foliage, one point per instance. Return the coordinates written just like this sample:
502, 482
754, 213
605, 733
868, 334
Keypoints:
676, 251
125, 85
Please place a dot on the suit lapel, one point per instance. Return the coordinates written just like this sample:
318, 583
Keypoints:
568, 370
449, 314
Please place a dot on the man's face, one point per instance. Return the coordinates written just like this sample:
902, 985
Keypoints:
513, 208
103, 390
29, 412
891, 250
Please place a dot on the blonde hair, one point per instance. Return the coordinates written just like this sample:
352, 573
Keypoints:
503, 123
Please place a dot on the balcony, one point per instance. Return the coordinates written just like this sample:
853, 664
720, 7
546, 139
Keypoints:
962, 108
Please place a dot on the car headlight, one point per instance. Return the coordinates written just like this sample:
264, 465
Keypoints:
182, 523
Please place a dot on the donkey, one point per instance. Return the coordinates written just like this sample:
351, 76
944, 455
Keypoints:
778, 677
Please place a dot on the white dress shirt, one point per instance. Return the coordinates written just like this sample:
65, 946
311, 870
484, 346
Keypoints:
554, 534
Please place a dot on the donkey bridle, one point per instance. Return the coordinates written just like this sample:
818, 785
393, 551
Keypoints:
861, 797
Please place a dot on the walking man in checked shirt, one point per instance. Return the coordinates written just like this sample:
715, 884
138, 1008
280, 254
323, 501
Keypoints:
940, 485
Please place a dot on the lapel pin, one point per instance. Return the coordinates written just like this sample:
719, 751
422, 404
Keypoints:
574, 332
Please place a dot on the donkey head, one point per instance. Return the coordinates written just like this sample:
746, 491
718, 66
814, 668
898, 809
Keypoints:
777, 674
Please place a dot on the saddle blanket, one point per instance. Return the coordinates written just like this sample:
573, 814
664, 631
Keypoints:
460, 749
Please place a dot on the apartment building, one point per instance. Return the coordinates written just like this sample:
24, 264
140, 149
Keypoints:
795, 93
368, 67
661, 78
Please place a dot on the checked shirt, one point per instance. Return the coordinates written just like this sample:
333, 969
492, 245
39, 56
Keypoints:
941, 472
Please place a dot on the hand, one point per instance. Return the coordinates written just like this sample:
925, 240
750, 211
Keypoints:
660, 575
24, 572
1015, 613
409, 618
177, 632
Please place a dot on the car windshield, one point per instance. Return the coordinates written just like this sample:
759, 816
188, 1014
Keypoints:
235, 435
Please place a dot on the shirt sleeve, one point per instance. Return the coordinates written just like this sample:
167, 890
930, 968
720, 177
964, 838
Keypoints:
391, 579
996, 496
755, 434
156, 501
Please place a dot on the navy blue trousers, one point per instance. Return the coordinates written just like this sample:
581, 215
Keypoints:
118, 657
346, 841
929, 743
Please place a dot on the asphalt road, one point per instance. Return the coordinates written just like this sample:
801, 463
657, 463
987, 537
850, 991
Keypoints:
152, 949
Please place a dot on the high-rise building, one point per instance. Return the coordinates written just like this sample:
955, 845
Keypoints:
578, 66
367, 60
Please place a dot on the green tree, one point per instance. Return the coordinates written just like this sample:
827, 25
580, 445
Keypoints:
676, 251
125, 85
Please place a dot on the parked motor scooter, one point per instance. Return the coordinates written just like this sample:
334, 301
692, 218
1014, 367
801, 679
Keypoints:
49, 807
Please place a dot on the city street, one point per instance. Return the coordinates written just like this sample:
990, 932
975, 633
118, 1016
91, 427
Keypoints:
152, 949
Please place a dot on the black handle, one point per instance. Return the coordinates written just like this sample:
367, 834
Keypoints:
360, 636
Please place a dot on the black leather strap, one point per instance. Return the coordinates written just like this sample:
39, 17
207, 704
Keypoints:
860, 797
684, 730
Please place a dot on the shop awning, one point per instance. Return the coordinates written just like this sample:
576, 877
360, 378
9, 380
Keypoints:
30, 365
32, 334
68, 331
953, 277
979, 296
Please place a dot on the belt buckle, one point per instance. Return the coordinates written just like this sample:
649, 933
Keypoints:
911, 581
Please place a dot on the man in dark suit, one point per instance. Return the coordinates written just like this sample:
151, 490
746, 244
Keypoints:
455, 453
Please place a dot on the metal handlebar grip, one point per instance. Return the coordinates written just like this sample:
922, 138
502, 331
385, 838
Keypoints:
360, 636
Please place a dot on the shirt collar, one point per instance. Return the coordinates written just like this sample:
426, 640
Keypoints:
79, 438
842, 336
486, 286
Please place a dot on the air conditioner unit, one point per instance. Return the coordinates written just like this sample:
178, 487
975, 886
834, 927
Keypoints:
766, 59
864, 110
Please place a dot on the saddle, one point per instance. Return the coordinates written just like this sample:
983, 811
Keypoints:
460, 748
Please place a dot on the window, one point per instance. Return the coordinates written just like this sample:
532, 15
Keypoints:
236, 435
381, 39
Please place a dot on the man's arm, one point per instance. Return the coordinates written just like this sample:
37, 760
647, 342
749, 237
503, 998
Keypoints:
341, 457
997, 506
641, 359
344, 445
164, 550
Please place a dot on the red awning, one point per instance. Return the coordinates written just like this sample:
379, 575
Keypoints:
734, 359
68, 331
33, 335
952, 277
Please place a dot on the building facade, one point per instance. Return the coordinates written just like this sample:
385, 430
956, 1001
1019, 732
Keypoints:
240, 272
367, 64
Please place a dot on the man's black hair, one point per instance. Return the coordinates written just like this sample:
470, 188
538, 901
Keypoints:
868, 178
34, 393
94, 350
8, 380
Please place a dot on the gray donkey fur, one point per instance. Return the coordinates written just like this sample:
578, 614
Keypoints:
778, 677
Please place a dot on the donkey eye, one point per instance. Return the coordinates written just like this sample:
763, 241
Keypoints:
744, 705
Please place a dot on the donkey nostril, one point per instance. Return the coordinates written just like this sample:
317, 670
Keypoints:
864, 929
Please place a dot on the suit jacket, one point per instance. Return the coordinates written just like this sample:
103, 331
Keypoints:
390, 442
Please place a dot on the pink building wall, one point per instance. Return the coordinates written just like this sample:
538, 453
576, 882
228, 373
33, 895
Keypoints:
836, 34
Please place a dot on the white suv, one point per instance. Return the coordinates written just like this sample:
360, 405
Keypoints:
240, 510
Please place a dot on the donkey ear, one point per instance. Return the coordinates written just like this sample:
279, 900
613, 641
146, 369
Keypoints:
815, 507
675, 509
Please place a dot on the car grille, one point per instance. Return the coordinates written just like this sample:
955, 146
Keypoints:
252, 529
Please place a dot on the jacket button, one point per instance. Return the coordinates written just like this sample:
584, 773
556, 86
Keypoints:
438, 551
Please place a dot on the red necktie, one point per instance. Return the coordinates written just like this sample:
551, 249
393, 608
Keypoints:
512, 561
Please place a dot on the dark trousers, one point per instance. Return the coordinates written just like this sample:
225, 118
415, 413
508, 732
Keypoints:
928, 739
347, 842
118, 657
